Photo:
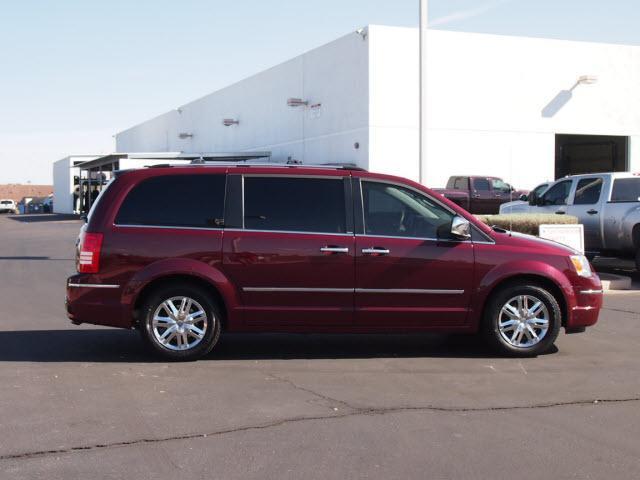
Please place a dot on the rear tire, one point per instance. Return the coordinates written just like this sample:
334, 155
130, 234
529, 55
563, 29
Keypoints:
181, 322
522, 320
638, 259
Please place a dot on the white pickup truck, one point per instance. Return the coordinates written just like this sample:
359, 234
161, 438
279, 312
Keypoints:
607, 204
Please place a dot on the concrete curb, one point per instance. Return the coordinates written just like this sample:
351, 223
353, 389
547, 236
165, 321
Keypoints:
612, 281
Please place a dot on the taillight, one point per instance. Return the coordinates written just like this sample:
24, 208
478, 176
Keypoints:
89, 253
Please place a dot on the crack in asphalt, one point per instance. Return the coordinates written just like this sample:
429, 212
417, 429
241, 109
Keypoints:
312, 392
357, 412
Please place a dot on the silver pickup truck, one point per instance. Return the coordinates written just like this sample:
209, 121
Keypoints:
607, 204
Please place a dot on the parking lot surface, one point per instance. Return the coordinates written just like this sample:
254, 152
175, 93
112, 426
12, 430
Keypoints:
90, 402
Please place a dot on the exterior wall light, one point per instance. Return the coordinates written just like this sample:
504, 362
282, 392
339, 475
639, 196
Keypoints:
587, 79
227, 122
297, 102
183, 136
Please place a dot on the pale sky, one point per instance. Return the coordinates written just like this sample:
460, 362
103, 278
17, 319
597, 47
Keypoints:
75, 72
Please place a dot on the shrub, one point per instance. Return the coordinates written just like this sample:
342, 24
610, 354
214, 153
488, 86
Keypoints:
527, 223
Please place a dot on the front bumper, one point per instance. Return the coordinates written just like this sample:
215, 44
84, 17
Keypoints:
584, 312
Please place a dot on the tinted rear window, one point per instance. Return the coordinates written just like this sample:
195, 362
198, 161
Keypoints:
175, 201
6, 202
626, 190
294, 204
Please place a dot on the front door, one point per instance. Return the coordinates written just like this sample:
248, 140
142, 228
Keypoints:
482, 200
410, 273
555, 199
586, 206
293, 262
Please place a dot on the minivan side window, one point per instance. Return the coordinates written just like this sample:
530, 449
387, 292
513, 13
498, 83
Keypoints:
557, 194
175, 201
588, 191
295, 204
391, 210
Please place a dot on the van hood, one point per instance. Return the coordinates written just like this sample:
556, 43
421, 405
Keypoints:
517, 239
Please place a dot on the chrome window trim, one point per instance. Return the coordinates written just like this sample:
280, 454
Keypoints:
91, 285
419, 291
350, 235
167, 227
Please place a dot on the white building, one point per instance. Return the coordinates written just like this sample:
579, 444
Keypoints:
506, 106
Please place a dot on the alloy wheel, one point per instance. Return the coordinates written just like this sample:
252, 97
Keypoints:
523, 321
180, 323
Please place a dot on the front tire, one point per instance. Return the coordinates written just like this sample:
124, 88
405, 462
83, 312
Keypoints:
181, 322
522, 320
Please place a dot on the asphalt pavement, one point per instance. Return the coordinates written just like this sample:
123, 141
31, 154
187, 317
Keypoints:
90, 402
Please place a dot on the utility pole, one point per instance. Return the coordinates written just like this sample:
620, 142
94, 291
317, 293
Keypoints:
424, 19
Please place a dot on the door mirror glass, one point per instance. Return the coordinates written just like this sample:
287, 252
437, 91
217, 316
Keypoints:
460, 228
524, 198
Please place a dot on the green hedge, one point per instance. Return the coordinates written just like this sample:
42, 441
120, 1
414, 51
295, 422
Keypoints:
526, 223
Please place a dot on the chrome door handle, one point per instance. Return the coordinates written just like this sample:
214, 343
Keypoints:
375, 251
334, 250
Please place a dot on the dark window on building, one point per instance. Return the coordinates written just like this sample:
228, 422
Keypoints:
175, 201
626, 190
294, 204
395, 211
481, 184
557, 194
588, 191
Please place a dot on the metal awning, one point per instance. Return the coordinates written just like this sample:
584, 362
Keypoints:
105, 162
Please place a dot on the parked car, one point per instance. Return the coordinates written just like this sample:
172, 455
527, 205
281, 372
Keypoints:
607, 204
479, 195
184, 253
7, 206
522, 205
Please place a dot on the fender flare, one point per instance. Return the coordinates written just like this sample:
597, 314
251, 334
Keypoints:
181, 266
527, 268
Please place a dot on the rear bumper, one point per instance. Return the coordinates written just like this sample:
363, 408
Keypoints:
91, 301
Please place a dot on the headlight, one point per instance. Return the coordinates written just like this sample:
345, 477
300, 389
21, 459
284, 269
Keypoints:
581, 265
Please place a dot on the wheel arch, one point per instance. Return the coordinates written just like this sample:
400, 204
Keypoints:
179, 279
533, 279
179, 270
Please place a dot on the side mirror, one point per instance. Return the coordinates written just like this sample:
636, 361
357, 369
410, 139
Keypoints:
524, 198
461, 228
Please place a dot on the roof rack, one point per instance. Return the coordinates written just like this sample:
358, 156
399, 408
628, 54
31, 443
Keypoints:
245, 163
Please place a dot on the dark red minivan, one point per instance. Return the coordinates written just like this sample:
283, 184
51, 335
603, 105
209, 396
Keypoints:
185, 253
